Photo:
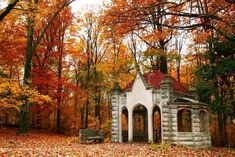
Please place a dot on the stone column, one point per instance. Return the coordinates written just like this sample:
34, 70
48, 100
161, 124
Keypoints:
194, 93
130, 125
174, 129
145, 122
120, 126
196, 126
166, 121
115, 113
150, 126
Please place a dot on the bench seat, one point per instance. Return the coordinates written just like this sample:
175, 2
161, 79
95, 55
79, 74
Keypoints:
90, 135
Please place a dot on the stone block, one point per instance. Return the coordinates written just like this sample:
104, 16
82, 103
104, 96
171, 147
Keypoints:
186, 138
174, 129
186, 143
174, 112
174, 119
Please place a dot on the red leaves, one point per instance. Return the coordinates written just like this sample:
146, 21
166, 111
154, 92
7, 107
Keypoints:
47, 144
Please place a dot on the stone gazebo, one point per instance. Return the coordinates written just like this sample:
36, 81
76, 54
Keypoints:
157, 108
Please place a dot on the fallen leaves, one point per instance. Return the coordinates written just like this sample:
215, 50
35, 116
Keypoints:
39, 143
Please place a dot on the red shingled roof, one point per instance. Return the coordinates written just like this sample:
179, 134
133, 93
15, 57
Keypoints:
154, 79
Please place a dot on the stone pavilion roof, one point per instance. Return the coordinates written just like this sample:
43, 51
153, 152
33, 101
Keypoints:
154, 79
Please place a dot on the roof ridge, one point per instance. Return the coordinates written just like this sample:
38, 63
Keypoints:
154, 78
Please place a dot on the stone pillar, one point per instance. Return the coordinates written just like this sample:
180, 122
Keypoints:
115, 113
196, 126
150, 126
120, 126
166, 121
145, 122
194, 93
174, 129
130, 125
166, 90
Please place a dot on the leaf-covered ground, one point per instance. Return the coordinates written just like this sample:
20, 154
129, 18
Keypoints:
46, 144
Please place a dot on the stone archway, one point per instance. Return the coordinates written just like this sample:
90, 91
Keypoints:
184, 120
204, 121
140, 123
124, 124
156, 124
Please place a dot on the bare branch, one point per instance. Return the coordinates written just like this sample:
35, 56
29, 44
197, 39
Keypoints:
8, 9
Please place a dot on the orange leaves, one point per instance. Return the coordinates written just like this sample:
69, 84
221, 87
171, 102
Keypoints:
47, 144
13, 95
202, 37
157, 35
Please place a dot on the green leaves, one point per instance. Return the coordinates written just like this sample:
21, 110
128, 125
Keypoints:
215, 81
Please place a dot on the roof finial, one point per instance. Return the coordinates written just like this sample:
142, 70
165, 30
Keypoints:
116, 88
138, 68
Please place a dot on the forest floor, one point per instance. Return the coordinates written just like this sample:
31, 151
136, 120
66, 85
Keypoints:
38, 143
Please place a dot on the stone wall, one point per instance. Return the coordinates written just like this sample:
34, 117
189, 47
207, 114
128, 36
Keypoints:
115, 116
166, 117
194, 138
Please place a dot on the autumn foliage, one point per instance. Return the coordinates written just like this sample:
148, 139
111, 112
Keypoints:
57, 68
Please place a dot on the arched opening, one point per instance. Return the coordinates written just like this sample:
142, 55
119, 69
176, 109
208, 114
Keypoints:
184, 120
203, 121
156, 124
140, 123
124, 122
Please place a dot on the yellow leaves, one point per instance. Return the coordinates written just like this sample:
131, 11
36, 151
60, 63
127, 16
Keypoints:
104, 67
155, 52
73, 29
12, 95
6, 106
36, 98
9, 88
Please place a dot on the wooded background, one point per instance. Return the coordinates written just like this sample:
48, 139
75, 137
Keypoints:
57, 68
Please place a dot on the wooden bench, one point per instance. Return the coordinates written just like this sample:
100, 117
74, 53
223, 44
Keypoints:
90, 135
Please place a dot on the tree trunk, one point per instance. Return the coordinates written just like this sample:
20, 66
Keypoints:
87, 93
24, 124
87, 111
163, 64
24, 113
59, 78
178, 70
76, 101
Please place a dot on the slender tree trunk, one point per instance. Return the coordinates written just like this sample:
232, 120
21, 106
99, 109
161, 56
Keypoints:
76, 101
178, 70
82, 112
225, 140
163, 64
161, 43
97, 96
87, 111
87, 88
88, 93
59, 75
24, 124
29, 52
